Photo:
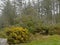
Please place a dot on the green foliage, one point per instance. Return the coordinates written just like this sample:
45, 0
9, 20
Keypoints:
30, 11
57, 28
2, 34
31, 24
52, 29
17, 35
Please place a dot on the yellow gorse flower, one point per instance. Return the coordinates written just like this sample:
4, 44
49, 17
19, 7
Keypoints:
18, 34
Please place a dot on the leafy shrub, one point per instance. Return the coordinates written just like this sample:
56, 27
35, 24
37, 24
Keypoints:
17, 34
46, 29
57, 28
53, 29
31, 24
2, 34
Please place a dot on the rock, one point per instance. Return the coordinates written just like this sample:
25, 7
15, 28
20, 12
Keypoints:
3, 41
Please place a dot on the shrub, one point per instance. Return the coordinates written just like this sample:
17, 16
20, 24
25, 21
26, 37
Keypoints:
54, 29
57, 28
2, 34
31, 24
17, 34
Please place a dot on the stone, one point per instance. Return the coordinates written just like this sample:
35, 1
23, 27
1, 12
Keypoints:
3, 41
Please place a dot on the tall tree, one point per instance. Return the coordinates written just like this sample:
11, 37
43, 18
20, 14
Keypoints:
19, 4
47, 8
8, 13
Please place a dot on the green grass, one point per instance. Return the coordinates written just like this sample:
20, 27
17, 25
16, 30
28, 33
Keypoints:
45, 40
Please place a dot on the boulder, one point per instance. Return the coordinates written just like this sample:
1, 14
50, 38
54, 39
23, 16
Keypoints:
3, 41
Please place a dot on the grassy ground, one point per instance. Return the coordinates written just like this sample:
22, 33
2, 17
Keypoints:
45, 40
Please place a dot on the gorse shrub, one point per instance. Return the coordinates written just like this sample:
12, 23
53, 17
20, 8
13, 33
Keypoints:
2, 34
17, 34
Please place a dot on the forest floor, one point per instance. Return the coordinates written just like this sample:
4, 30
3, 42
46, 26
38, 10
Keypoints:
44, 40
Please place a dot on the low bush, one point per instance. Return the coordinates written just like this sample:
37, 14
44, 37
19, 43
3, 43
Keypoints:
2, 34
53, 29
17, 34
57, 28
